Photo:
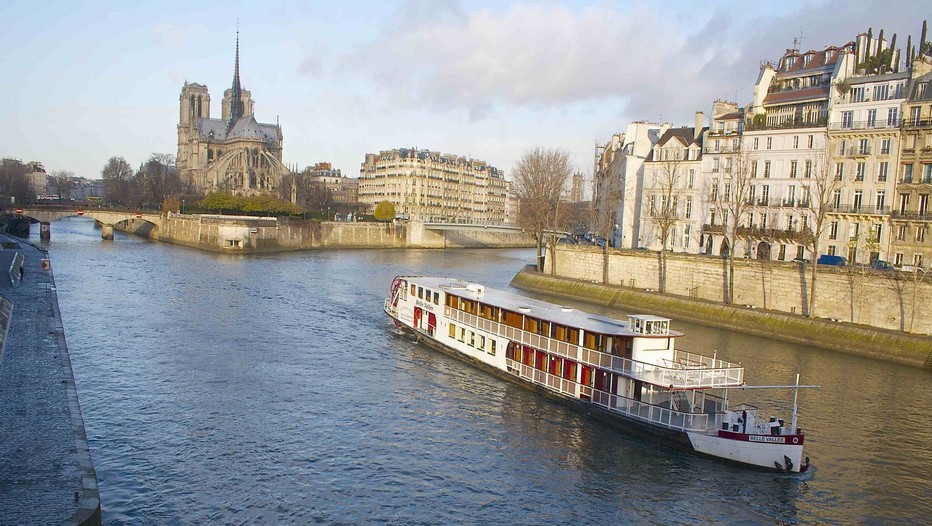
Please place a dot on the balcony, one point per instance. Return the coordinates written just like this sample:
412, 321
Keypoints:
864, 125
754, 232
861, 210
856, 151
788, 124
917, 123
912, 216
721, 150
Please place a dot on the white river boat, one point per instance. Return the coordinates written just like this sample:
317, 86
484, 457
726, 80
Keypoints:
629, 372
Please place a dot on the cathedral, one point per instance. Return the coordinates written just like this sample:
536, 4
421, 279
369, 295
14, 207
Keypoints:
233, 154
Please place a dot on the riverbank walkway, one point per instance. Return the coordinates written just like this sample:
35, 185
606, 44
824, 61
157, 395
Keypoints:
46, 473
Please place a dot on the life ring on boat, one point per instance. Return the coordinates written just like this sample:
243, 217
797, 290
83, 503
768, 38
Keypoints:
796, 440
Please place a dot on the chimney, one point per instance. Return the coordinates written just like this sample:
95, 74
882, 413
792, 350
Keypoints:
700, 122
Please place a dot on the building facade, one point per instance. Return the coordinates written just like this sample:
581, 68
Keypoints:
911, 244
672, 188
234, 154
344, 190
619, 180
434, 187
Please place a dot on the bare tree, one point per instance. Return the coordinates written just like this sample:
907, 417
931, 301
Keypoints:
63, 182
541, 177
915, 277
610, 196
117, 175
822, 201
668, 187
157, 179
731, 200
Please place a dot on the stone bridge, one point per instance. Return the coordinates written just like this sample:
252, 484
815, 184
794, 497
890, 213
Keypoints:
44, 215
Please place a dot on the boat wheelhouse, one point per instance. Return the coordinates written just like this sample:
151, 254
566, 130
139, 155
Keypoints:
629, 371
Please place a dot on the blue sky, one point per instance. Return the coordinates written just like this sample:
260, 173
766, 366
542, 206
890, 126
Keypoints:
85, 81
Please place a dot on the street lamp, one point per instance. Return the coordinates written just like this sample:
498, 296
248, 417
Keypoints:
182, 206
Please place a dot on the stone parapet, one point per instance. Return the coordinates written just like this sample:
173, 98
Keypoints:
882, 299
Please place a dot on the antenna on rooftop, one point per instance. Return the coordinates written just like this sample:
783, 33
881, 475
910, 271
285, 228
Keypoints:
797, 42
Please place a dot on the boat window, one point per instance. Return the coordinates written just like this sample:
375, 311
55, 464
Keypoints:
413, 289
560, 332
436, 298
452, 331
485, 311
468, 306
574, 336
482, 342
590, 340
544, 328
420, 292
540, 362
492, 348
512, 319
569, 369
556, 366
531, 324
472, 339
462, 334
452, 301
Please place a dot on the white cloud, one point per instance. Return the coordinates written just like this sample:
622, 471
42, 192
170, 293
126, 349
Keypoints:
653, 58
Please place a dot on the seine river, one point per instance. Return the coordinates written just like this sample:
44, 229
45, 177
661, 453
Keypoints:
272, 389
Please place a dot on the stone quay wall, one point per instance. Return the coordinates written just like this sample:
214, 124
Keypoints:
236, 234
882, 299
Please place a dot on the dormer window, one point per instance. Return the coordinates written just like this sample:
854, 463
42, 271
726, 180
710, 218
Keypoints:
806, 59
790, 62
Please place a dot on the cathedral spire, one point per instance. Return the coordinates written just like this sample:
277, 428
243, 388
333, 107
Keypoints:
236, 104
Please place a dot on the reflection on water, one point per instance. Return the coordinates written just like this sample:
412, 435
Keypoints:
221, 389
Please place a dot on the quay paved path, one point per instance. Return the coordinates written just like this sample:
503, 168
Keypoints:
46, 473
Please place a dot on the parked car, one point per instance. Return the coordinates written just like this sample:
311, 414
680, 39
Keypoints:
826, 259
879, 264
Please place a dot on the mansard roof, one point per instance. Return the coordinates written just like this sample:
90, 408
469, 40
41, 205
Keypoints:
814, 93
914, 88
685, 137
245, 128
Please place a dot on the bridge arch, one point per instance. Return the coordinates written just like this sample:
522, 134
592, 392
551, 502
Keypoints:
106, 217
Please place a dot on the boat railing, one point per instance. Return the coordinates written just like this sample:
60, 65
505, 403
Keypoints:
685, 371
388, 306
615, 403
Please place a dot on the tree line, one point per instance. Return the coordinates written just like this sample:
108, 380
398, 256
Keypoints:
146, 187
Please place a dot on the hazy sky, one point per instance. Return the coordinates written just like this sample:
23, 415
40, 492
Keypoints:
84, 81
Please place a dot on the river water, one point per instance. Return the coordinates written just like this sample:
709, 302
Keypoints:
272, 389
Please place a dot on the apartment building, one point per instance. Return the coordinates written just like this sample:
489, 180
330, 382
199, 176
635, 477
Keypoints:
911, 243
863, 147
434, 187
672, 190
619, 180
785, 135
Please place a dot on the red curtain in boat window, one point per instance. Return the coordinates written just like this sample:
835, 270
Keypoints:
417, 317
431, 321
541, 362
585, 376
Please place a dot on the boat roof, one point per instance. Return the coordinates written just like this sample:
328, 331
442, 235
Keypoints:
543, 310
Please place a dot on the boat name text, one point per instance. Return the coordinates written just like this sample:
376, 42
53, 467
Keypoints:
769, 439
